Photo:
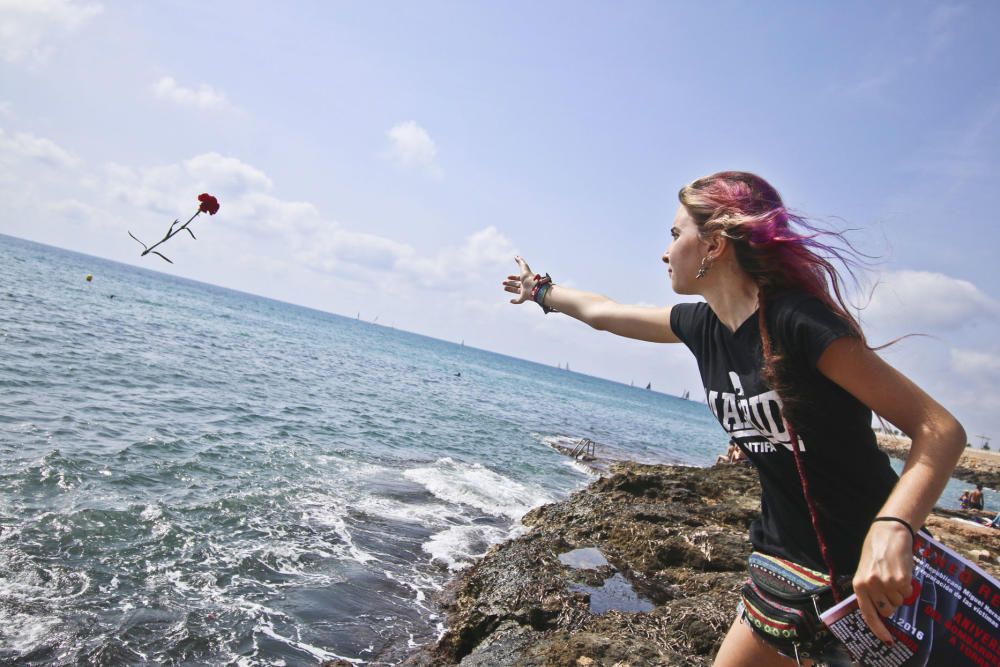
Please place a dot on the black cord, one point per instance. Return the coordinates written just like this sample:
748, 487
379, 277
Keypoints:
896, 519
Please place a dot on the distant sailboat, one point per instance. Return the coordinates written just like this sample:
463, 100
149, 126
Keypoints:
686, 394
649, 385
567, 365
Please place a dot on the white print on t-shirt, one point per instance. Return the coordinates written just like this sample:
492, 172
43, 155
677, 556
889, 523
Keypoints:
746, 419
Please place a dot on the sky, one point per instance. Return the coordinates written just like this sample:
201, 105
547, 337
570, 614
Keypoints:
389, 159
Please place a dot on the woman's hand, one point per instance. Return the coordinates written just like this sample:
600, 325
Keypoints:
885, 574
520, 285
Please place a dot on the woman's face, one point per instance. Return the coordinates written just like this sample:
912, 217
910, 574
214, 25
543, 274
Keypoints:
684, 254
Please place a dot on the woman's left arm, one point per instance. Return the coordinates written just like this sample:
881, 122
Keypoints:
883, 578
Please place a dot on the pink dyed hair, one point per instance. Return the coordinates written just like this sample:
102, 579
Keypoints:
780, 250
766, 237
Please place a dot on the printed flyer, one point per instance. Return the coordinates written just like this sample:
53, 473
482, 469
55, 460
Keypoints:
952, 619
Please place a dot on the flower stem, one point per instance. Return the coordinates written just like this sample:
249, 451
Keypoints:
171, 234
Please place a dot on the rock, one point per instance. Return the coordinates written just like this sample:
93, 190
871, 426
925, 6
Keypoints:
966, 538
974, 466
676, 535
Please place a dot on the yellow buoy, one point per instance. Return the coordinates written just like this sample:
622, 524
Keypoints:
90, 276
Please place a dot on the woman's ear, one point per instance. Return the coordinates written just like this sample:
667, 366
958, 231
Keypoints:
716, 246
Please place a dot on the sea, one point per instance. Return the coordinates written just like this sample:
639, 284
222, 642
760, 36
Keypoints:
192, 475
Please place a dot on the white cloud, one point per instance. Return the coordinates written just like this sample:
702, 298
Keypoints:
150, 189
28, 27
870, 85
202, 97
487, 247
934, 35
6, 109
484, 251
75, 211
297, 229
410, 145
227, 173
242, 190
954, 362
159, 188
265, 213
942, 23
971, 388
976, 363
920, 301
40, 149
343, 252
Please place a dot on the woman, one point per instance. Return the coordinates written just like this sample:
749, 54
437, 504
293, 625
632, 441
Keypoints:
783, 361
963, 500
732, 455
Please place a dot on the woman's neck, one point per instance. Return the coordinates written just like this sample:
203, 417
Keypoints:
733, 299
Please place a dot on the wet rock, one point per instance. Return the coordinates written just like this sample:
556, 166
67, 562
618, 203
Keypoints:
675, 544
677, 536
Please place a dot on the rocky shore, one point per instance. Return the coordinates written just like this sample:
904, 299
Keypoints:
976, 466
642, 567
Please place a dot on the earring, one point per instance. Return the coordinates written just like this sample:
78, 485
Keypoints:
703, 269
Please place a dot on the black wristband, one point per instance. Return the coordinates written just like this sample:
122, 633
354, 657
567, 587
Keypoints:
896, 519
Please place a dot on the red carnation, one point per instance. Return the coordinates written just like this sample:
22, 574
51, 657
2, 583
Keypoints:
209, 204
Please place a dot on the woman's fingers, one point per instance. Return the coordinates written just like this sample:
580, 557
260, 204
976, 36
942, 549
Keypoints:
512, 285
894, 600
869, 611
520, 284
884, 576
877, 599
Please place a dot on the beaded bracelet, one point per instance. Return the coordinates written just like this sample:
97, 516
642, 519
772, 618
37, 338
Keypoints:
541, 300
542, 285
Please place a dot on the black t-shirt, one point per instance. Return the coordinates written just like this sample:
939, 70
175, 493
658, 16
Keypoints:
849, 478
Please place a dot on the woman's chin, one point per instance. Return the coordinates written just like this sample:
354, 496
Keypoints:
679, 288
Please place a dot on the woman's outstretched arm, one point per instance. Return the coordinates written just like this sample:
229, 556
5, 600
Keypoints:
600, 312
885, 570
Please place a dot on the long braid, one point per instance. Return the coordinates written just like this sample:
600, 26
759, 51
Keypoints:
765, 339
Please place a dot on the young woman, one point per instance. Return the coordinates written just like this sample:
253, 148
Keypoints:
789, 374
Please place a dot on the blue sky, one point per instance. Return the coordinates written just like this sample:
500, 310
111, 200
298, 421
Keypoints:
391, 158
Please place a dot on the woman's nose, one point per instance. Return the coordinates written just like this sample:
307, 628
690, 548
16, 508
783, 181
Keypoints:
666, 257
